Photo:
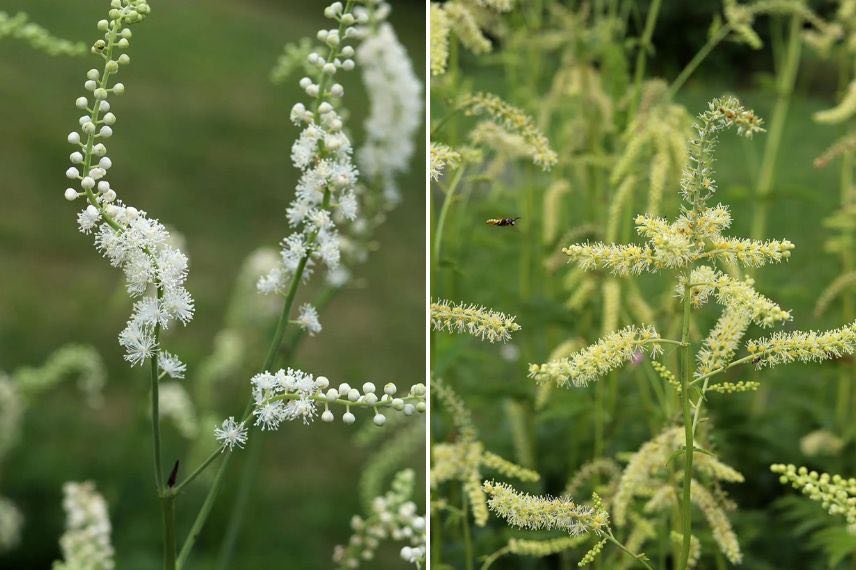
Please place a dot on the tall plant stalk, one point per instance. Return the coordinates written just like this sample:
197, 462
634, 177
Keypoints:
787, 74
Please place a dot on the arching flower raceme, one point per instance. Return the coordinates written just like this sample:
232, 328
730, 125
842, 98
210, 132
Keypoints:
323, 155
155, 270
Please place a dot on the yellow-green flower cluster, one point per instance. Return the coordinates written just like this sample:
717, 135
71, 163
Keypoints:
666, 375
803, 346
440, 29
609, 353
523, 510
479, 322
462, 20
693, 236
513, 120
442, 157
19, 27
836, 494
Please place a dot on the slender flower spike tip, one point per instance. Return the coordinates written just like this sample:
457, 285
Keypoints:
800, 346
86, 542
479, 322
323, 155
289, 395
155, 270
609, 353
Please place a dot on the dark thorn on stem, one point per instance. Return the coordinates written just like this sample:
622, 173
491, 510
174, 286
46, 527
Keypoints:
173, 475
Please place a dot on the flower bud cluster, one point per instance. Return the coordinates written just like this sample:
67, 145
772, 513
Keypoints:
323, 154
835, 493
594, 361
86, 542
479, 322
130, 240
393, 517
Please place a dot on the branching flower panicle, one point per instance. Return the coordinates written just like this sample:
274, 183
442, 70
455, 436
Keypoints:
486, 324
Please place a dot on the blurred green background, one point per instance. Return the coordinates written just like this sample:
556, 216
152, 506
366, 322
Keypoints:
202, 143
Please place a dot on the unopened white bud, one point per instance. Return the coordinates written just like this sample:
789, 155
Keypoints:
332, 395
72, 173
323, 382
348, 418
119, 88
103, 186
74, 138
88, 182
70, 194
106, 132
353, 394
379, 419
327, 416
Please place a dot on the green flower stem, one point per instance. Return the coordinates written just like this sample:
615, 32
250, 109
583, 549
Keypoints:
156, 439
465, 527
198, 471
489, 560
641, 56
202, 516
239, 507
699, 57
685, 356
638, 557
444, 211
785, 89
168, 509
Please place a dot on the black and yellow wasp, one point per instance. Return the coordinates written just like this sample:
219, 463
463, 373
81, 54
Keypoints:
503, 221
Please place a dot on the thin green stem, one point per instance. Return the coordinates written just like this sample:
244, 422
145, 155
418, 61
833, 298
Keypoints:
155, 411
444, 211
489, 560
198, 471
202, 516
639, 558
699, 57
785, 89
686, 506
465, 527
641, 56
239, 507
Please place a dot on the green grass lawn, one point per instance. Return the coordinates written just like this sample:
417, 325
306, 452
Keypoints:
202, 142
